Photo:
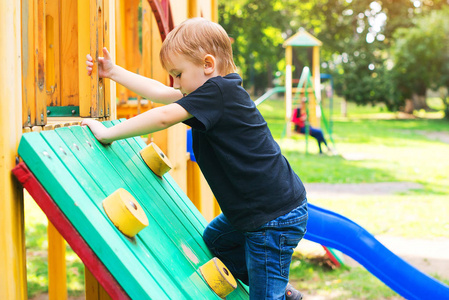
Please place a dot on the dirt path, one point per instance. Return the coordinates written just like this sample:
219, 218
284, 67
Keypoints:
431, 256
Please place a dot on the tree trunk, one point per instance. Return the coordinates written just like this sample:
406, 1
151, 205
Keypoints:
419, 102
409, 106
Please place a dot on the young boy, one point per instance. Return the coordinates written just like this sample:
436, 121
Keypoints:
263, 201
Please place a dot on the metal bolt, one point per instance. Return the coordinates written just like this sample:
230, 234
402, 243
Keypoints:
42, 117
73, 111
48, 112
62, 150
90, 145
133, 205
76, 146
45, 153
162, 155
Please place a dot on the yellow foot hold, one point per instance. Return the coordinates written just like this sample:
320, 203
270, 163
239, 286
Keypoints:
125, 212
155, 159
218, 277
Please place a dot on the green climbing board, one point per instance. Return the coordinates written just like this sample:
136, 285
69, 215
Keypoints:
163, 260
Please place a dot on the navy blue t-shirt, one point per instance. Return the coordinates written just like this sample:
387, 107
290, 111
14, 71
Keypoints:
243, 165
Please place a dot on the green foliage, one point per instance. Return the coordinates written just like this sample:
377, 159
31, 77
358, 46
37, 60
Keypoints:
37, 259
421, 55
357, 41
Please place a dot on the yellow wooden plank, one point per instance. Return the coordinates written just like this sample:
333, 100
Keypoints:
193, 9
146, 61
52, 54
39, 61
106, 43
120, 46
110, 42
83, 50
28, 84
12, 245
57, 277
93, 290
133, 54
96, 46
69, 54
176, 150
194, 184
214, 10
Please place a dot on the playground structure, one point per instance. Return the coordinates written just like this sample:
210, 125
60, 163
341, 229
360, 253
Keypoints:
303, 39
44, 87
307, 93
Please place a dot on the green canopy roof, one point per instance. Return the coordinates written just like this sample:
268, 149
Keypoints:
302, 39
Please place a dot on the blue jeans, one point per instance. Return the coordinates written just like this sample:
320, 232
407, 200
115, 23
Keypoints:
316, 133
261, 258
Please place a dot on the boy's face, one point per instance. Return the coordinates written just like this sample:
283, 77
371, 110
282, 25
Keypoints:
188, 76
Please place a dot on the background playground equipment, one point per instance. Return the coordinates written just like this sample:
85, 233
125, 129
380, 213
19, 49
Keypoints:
307, 94
43, 85
301, 99
302, 39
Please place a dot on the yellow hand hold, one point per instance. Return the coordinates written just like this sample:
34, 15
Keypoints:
155, 159
125, 212
218, 277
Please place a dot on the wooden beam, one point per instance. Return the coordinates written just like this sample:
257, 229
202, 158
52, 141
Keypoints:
12, 240
39, 62
120, 46
69, 54
96, 45
28, 85
52, 53
57, 277
83, 50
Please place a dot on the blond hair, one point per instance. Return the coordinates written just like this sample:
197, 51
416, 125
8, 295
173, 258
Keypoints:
196, 38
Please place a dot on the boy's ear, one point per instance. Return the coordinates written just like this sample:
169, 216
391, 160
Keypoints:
209, 64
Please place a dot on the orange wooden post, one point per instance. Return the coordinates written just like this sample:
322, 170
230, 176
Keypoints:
39, 62
120, 45
83, 49
12, 243
107, 6
96, 46
28, 86
93, 290
69, 89
57, 277
52, 53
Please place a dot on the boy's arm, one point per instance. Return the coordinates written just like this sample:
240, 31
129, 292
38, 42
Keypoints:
150, 121
146, 87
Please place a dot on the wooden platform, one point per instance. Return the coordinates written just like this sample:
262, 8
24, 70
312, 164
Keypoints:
69, 173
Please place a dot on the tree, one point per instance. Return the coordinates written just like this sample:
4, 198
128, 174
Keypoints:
421, 57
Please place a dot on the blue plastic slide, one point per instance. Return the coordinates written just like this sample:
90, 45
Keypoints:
333, 230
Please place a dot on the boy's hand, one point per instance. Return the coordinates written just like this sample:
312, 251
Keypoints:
105, 64
98, 130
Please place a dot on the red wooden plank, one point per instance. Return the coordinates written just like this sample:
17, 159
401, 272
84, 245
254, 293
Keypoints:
163, 15
70, 234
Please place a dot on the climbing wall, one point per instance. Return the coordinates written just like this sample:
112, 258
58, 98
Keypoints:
162, 261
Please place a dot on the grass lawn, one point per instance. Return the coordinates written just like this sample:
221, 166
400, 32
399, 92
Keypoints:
388, 150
